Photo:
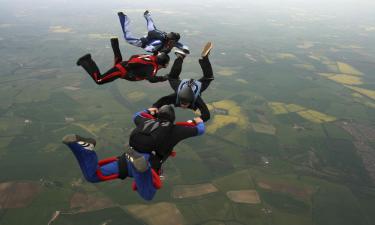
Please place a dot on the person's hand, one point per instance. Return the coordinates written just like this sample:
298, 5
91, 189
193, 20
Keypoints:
153, 111
198, 120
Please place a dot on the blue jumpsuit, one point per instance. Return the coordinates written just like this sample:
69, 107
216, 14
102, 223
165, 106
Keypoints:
152, 45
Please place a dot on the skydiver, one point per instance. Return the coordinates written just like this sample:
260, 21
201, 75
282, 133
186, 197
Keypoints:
150, 144
138, 67
156, 40
188, 91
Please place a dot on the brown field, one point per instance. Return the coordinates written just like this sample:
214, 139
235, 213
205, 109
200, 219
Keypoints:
302, 192
187, 191
244, 196
17, 194
162, 213
86, 203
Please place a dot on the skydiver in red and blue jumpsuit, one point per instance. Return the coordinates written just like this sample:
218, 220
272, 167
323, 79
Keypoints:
150, 144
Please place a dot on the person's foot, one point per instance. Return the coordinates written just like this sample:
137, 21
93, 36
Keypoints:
180, 53
138, 160
86, 143
146, 13
206, 49
84, 58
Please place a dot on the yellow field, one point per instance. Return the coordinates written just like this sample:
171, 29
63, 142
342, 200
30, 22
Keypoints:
327, 74
267, 60
306, 45
226, 71
162, 213
315, 116
244, 196
332, 68
348, 69
235, 116
346, 79
314, 57
91, 128
51, 147
263, 128
136, 96
312, 115
305, 66
60, 29
101, 36
294, 107
242, 81
277, 107
286, 56
220, 121
366, 92
356, 95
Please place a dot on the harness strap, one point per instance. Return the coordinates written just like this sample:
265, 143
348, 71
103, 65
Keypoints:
121, 69
99, 172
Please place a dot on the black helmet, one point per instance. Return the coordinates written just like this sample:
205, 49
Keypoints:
186, 95
166, 113
173, 36
162, 59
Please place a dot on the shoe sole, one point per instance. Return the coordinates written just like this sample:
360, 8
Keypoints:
180, 52
72, 138
139, 162
206, 49
85, 57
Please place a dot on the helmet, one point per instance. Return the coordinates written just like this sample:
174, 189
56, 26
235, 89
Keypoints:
162, 59
186, 95
166, 113
173, 36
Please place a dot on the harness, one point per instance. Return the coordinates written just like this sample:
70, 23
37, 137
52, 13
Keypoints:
140, 59
195, 87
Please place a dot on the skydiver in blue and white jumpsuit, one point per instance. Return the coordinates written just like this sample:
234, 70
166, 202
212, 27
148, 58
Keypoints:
156, 40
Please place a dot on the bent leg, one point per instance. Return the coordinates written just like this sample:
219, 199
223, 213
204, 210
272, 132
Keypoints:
116, 51
144, 181
87, 160
174, 74
124, 22
109, 76
150, 22
208, 74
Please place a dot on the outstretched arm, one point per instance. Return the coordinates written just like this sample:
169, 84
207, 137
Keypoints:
156, 79
166, 100
201, 105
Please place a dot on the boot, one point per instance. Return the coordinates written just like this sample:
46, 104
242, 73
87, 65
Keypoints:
206, 50
86, 143
89, 65
180, 53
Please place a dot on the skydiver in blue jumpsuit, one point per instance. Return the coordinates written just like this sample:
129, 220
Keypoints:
150, 144
156, 40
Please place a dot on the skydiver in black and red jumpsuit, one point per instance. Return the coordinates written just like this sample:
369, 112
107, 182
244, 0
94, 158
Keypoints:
138, 67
